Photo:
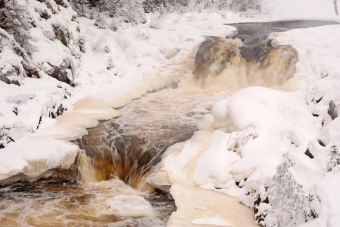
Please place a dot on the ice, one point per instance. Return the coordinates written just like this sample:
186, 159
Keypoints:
129, 205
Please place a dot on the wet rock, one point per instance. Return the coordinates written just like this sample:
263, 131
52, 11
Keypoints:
213, 55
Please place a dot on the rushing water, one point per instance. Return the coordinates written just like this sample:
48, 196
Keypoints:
126, 148
119, 154
66, 203
130, 145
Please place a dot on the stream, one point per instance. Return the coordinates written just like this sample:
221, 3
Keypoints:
119, 154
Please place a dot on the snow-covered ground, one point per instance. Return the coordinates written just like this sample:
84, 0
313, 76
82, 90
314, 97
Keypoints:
254, 146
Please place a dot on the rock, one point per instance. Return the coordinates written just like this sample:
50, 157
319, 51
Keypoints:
55, 113
4, 79
11, 76
61, 72
62, 34
309, 154
213, 56
332, 110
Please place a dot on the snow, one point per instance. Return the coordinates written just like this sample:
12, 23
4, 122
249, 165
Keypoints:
210, 165
34, 156
330, 197
302, 9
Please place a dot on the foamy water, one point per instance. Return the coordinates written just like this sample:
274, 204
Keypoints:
73, 204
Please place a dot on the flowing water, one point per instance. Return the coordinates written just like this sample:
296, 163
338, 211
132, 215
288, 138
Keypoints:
118, 155
126, 148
